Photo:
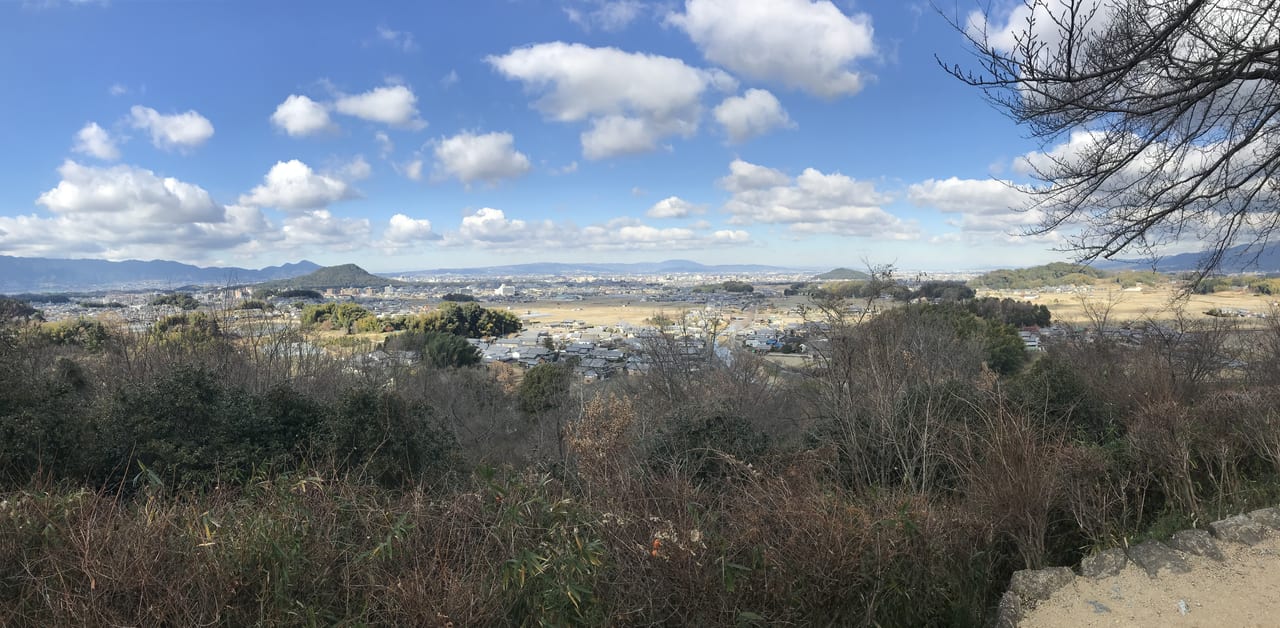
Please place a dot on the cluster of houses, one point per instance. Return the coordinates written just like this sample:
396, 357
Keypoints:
595, 352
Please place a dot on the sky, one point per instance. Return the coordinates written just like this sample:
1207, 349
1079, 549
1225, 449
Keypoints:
416, 135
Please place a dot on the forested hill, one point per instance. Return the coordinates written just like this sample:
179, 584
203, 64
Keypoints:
1062, 274
343, 276
843, 274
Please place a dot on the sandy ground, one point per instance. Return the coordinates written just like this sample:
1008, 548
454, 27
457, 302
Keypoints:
1242, 591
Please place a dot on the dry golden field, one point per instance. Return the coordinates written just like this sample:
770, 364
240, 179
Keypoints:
1161, 303
1158, 304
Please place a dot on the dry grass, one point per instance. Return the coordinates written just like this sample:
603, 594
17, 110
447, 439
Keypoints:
1160, 304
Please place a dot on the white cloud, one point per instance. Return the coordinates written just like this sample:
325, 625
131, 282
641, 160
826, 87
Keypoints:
385, 145
356, 170
94, 141
293, 185
117, 89
989, 210
450, 79
812, 203
490, 157
613, 136
802, 44
756, 112
413, 170
632, 100
968, 196
320, 228
299, 116
744, 176
403, 231
394, 105
398, 39
605, 15
174, 131
490, 228
673, 207
128, 212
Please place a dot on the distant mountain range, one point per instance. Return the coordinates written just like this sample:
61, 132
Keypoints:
41, 274
1236, 260
672, 266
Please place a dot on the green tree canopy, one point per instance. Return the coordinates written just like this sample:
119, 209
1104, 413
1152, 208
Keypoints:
468, 320
439, 349
544, 387
333, 315
178, 299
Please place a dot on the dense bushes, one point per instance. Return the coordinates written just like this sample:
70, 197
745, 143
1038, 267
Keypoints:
898, 482
189, 428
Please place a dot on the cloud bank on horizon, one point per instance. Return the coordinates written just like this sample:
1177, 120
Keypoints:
416, 135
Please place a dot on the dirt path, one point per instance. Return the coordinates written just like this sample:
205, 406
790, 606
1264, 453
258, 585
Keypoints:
1243, 590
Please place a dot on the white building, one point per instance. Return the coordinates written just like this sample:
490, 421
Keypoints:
505, 291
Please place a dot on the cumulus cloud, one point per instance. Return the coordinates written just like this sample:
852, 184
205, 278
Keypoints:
490, 157
754, 113
299, 116
178, 131
356, 170
394, 105
802, 44
969, 196
812, 203
605, 15
412, 169
403, 231
673, 207
123, 212
293, 185
320, 228
985, 210
94, 141
491, 229
632, 100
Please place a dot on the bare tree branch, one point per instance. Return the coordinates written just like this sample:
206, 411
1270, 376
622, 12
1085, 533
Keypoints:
1161, 118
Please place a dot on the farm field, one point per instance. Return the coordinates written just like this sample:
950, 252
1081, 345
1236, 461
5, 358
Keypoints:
1151, 303
1072, 308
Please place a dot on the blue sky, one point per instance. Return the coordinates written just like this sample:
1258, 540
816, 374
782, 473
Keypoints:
410, 135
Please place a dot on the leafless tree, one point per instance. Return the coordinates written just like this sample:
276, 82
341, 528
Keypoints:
1167, 113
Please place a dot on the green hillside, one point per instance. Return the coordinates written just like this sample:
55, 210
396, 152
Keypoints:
1055, 274
843, 274
344, 276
